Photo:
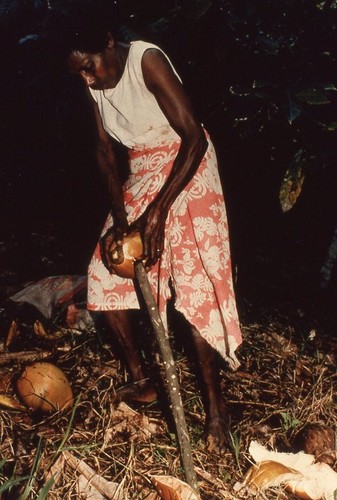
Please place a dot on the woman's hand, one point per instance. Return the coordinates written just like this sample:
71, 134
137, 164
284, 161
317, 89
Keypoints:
151, 225
111, 243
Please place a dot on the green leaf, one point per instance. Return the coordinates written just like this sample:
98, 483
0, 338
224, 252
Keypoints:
331, 126
289, 422
313, 96
329, 86
29, 485
12, 482
45, 490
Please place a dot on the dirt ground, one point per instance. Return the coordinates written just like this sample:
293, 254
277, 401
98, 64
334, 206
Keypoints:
287, 379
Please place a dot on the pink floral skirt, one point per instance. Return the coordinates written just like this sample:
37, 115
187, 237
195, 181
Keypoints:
196, 258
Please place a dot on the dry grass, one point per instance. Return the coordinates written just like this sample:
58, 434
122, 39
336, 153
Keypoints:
287, 378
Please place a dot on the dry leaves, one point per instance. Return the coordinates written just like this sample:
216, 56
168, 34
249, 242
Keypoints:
171, 488
106, 488
284, 382
128, 422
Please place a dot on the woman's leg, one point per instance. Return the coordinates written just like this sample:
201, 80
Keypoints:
121, 328
217, 417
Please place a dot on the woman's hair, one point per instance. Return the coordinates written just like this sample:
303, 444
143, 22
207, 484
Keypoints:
81, 25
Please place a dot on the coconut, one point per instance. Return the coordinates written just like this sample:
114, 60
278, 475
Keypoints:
319, 440
132, 251
44, 387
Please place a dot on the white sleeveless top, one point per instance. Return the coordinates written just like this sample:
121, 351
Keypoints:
130, 112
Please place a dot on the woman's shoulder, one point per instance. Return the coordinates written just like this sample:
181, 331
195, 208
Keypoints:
137, 50
138, 47
135, 56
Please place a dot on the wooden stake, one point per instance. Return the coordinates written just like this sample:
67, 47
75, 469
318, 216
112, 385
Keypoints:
171, 376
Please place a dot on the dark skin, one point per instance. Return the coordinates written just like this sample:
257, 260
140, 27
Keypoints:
103, 71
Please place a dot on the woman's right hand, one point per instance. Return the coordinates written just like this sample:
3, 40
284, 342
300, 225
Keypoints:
111, 244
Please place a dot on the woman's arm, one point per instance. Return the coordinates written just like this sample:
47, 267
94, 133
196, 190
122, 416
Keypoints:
108, 164
161, 80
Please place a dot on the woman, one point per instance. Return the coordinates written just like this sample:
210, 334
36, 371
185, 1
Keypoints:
173, 196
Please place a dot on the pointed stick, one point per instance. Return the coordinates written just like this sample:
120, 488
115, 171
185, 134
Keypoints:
171, 376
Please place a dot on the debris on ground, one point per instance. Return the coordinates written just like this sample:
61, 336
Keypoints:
283, 397
296, 473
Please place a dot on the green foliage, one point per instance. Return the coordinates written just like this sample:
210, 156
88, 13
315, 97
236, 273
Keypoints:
289, 422
29, 480
256, 68
45, 490
8, 483
287, 50
234, 442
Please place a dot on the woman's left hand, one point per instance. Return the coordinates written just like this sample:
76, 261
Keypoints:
151, 225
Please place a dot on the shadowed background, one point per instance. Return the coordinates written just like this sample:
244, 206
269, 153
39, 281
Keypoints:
261, 77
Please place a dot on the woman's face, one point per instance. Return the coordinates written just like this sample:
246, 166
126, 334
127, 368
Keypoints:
99, 71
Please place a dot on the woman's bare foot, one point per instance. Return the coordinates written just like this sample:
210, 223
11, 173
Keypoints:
141, 391
217, 428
